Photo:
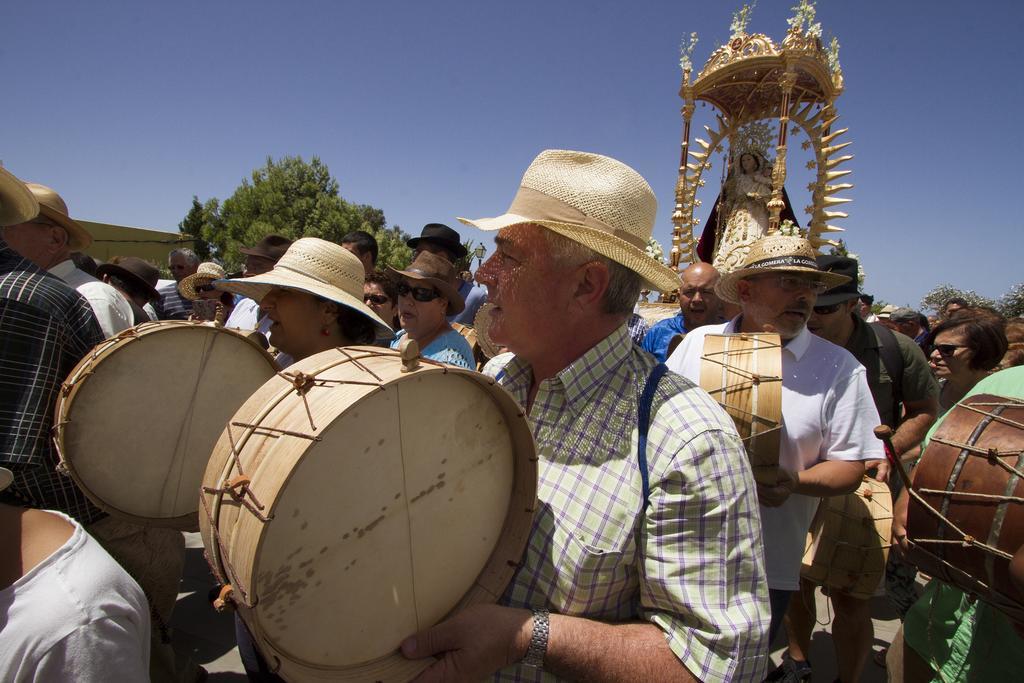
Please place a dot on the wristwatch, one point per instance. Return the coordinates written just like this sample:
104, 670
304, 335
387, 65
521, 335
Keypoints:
538, 639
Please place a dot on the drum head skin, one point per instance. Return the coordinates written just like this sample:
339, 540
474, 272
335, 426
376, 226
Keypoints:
413, 497
138, 417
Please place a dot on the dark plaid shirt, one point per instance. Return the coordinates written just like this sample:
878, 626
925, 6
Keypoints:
45, 329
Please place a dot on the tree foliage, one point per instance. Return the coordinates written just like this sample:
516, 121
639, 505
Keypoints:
1011, 304
293, 198
937, 297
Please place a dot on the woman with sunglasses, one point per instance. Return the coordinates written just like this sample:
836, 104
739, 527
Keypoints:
381, 295
198, 288
963, 350
427, 294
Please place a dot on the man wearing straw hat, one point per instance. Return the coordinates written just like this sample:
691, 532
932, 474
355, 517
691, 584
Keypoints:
643, 560
45, 329
828, 415
48, 240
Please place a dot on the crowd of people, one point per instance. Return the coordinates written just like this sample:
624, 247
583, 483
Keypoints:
654, 554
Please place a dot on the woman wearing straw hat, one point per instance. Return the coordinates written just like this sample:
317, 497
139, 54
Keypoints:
427, 294
314, 296
198, 288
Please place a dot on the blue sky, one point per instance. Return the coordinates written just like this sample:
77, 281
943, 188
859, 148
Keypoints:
433, 110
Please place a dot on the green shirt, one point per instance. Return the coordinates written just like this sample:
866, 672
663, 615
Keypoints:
918, 382
964, 638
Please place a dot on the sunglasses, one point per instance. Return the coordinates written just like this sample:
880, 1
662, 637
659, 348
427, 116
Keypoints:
793, 283
378, 299
946, 350
418, 293
205, 288
827, 310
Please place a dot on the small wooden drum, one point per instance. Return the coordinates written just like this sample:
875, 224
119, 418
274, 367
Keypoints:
966, 514
743, 372
848, 542
138, 417
358, 498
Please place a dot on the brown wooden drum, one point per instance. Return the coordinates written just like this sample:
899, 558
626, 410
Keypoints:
363, 500
848, 542
137, 418
743, 372
966, 514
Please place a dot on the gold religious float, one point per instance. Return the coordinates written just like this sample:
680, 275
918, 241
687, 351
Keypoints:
761, 92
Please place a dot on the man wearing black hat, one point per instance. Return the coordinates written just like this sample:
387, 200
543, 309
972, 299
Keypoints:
136, 279
258, 260
901, 384
439, 239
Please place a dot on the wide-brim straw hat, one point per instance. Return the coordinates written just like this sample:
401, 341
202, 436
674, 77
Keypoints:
482, 325
777, 254
594, 200
317, 267
437, 271
17, 203
53, 208
133, 269
204, 275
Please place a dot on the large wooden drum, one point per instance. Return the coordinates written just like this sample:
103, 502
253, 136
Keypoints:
358, 498
848, 542
743, 372
137, 418
965, 518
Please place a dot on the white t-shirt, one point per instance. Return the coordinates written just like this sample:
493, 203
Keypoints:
827, 414
245, 315
112, 310
77, 616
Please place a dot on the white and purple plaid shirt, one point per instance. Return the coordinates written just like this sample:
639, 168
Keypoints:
692, 562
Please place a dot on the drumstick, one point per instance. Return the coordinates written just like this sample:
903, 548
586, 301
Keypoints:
884, 433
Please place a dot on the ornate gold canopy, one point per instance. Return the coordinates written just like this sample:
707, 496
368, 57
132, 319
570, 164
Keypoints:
750, 79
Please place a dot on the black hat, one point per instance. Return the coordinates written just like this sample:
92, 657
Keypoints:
270, 247
442, 236
133, 269
841, 265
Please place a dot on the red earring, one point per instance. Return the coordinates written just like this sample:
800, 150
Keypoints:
325, 332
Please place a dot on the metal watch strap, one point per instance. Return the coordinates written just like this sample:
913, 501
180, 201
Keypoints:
538, 639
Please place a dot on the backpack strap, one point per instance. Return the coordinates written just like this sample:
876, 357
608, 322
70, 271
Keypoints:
644, 418
889, 351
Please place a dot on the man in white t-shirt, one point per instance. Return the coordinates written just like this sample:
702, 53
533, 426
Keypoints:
69, 611
828, 415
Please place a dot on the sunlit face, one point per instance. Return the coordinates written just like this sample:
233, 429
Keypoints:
697, 299
950, 357
36, 241
206, 291
779, 303
531, 293
748, 163
386, 310
298, 320
180, 267
421, 319
257, 265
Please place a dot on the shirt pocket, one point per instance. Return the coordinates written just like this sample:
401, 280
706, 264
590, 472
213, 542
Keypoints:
597, 571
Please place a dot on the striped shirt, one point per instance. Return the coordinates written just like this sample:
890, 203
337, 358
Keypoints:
45, 329
691, 562
173, 306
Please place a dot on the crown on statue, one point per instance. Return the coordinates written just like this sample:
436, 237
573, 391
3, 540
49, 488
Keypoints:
756, 137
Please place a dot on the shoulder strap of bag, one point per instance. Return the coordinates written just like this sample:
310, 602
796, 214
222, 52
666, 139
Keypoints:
644, 417
889, 350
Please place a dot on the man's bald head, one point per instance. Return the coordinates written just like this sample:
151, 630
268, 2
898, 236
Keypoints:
697, 299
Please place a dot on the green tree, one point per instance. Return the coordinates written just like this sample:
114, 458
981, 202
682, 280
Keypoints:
192, 226
1011, 304
937, 298
293, 198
